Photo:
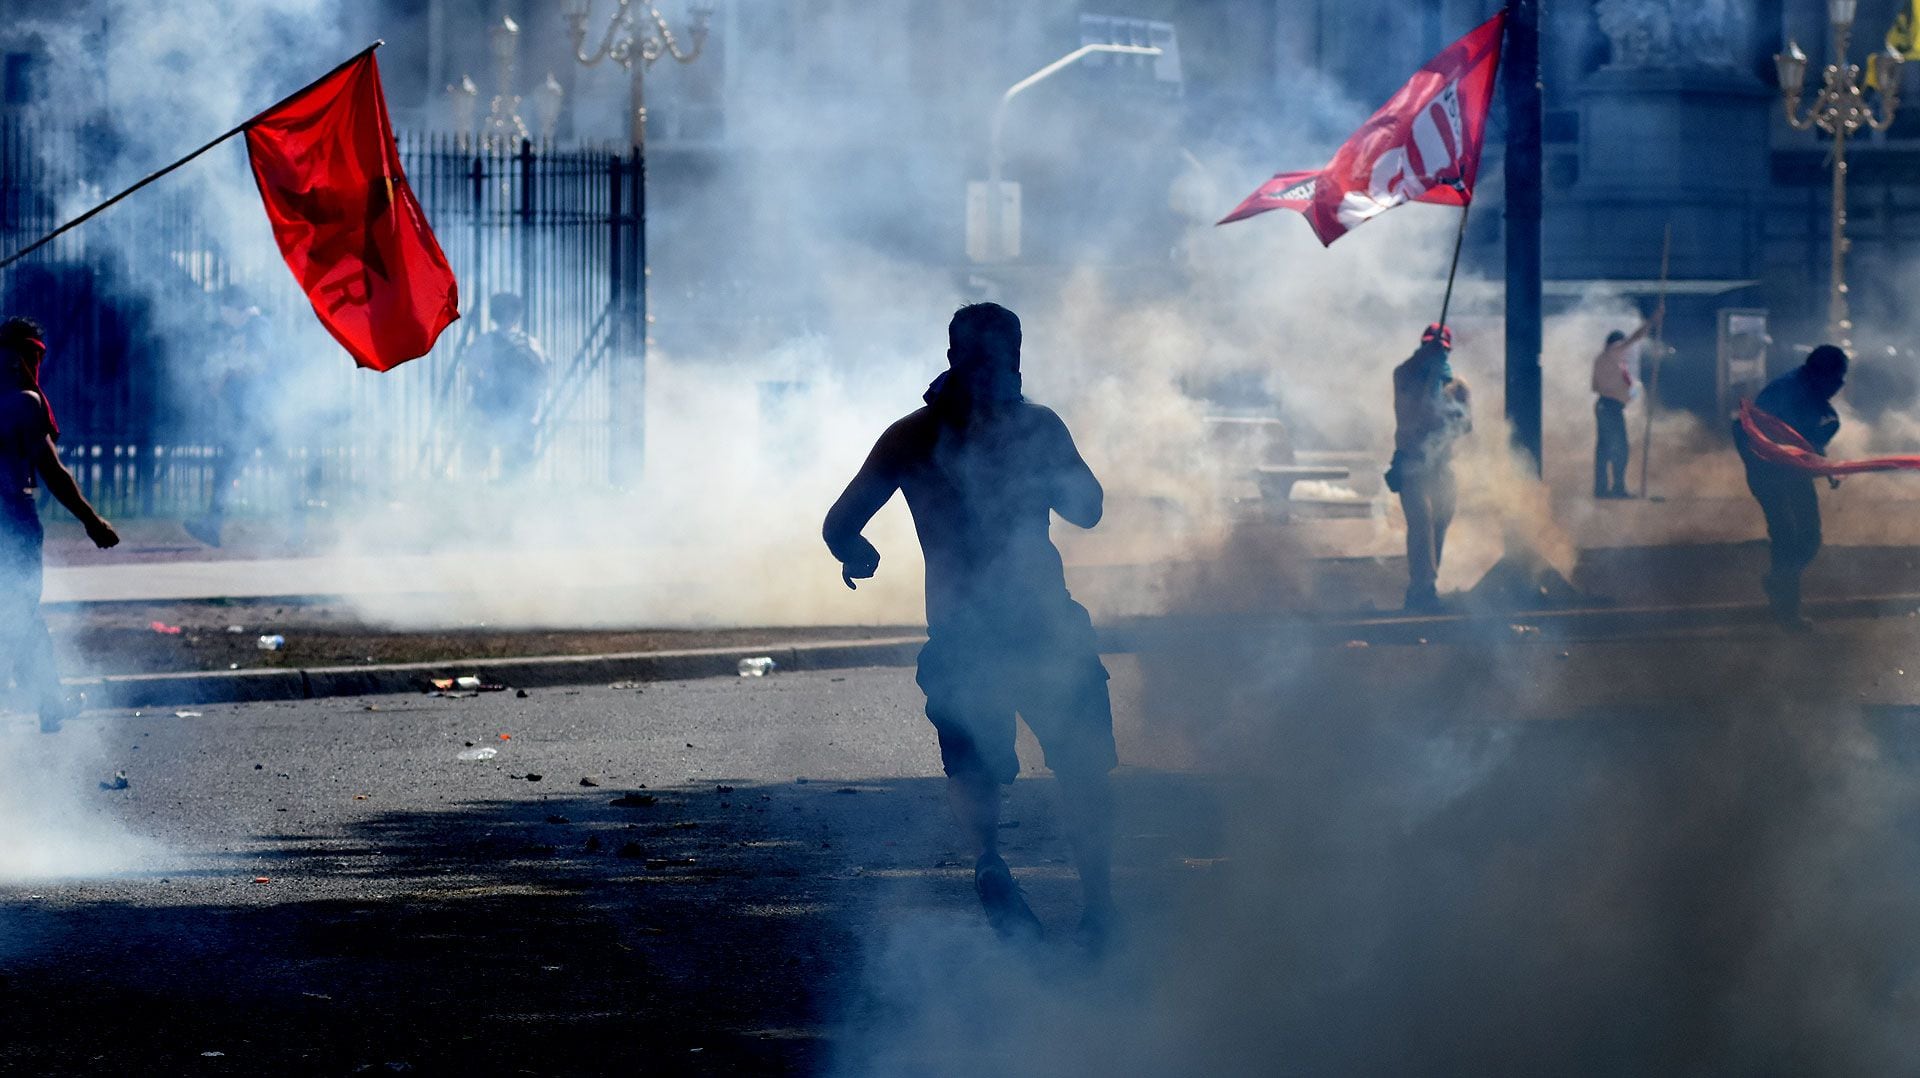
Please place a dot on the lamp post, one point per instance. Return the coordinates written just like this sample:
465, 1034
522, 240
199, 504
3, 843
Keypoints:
635, 47
996, 158
1841, 110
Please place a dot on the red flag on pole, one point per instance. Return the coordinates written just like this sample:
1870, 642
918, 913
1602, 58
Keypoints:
346, 221
1422, 146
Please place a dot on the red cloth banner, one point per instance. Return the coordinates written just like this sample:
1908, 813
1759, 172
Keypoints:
1422, 146
346, 221
1773, 441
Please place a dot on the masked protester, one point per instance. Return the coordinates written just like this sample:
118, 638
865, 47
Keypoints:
1802, 399
1431, 410
27, 459
983, 469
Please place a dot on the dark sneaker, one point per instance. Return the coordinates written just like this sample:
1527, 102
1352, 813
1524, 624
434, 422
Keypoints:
1424, 602
205, 529
1006, 908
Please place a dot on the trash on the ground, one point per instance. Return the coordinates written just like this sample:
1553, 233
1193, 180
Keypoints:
441, 683
758, 666
624, 685
236, 629
585, 781
634, 801
359, 797
188, 714
504, 737
233, 666
119, 782
531, 777
485, 753
164, 628
263, 879
272, 642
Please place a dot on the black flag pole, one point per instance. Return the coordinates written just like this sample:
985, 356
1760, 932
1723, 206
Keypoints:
157, 173
1459, 240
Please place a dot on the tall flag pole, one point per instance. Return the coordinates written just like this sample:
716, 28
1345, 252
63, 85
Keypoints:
1523, 171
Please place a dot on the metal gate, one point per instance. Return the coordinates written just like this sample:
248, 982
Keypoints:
127, 298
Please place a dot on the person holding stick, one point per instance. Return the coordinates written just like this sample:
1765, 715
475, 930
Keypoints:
1613, 389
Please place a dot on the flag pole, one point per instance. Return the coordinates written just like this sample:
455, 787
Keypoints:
152, 176
1659, 353
1459, 239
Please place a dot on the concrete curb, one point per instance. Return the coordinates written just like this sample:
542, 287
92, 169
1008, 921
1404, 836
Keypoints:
249, 686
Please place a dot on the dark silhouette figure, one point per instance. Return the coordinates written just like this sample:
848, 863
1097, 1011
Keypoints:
28, 458
246, 405
1801, 398
1431, 409
1612, 391
507, 382
982, 468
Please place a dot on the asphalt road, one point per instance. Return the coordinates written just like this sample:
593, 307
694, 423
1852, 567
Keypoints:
1692, 854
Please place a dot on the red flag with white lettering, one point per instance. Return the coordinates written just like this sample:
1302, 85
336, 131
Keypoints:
346, 221
1423, 145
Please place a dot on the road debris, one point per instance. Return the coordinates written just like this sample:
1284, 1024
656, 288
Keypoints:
263, 879
585, 781
163, 628
758, 666
485, 753
272, 642
119, 782
188, 714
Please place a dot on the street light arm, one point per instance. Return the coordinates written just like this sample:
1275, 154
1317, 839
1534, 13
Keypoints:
1045, 73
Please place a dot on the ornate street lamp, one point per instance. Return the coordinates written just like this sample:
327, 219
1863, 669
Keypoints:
635, 46
1841, 110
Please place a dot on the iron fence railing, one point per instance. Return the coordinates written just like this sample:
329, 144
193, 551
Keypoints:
130, 300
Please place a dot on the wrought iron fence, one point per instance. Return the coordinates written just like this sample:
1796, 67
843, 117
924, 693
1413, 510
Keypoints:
130, 300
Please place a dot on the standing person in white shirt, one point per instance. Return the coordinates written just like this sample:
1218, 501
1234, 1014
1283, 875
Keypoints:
1613, 388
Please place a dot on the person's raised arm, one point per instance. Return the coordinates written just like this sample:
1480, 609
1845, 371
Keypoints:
61, 485
872, 486
1073, 491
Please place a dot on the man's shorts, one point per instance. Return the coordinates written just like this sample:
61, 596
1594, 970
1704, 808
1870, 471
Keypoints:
975, 684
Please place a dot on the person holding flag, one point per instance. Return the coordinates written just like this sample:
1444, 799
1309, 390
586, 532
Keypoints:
1431, 409
1799, 408
28, 458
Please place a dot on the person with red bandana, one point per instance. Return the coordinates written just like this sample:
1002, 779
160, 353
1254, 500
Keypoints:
1431, 409
28, 458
